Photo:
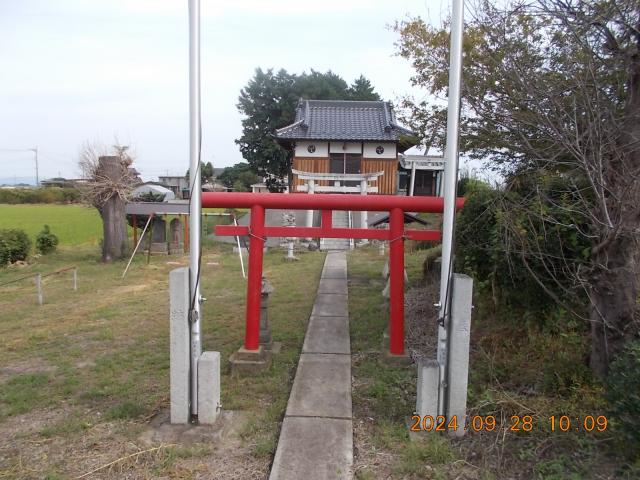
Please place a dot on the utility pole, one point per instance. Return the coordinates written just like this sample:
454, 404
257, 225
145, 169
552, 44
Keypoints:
450, 183
35, 150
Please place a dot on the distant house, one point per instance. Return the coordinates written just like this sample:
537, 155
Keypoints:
157, 190
61, 182
179, 185
344, 146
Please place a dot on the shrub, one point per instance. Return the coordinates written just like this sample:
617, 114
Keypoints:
39, 195
507, 242
623, 395
46, 241
14, 246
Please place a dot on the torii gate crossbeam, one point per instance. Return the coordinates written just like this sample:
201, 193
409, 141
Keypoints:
395, 235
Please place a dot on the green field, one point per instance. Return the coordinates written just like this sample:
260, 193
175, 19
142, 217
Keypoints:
73, 224
85, 377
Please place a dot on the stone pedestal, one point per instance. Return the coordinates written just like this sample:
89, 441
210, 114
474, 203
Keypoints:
249, 362
208, 388
391, 359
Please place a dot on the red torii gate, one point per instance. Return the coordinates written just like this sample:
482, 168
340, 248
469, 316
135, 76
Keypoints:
396, 234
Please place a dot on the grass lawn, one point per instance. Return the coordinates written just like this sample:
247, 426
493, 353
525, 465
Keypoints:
73, 224
83, 377
514, 370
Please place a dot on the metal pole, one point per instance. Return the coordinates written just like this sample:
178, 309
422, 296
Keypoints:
311, 188
364, 215
235, 222
195, 202
396, 279
37, 175
75, 279
39, 289
450, 181
413, 178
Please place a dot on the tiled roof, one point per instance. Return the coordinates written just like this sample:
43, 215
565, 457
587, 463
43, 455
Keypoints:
343, 120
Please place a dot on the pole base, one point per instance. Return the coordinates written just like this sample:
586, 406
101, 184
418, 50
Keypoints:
390, 358
249, 362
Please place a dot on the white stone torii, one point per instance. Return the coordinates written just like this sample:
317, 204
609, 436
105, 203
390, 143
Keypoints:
339, 186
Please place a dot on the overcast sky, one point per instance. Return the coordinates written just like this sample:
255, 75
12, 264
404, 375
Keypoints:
73, 71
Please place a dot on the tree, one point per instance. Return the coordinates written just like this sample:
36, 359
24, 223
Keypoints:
551, 93
241, 175
268, 103
108, 185
361, 89
206, 172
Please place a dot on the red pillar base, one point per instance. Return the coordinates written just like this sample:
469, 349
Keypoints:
390, 358
249, 362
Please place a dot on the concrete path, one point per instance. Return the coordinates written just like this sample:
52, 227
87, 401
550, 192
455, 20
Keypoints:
316, 440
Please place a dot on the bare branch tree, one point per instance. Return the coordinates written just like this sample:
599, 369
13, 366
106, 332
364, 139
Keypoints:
108, 183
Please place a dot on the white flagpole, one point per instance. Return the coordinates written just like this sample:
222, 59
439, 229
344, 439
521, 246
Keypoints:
450, 183
195, 200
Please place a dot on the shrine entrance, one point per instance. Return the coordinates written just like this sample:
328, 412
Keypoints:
257, 231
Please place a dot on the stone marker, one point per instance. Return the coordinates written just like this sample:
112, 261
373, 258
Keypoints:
208, 388
179, 357
176, 244
460, 334
159, 236
427, 394
289, 220
266, 341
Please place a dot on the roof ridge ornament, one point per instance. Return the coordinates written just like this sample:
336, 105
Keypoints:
387, 120
305, 122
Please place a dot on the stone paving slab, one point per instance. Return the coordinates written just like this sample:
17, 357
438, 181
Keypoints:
334, 260
316, 440
333, 285
322, 387
327, 335
314, 449
334, 272
330, 305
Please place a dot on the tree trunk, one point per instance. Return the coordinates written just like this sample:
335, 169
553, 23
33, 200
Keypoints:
614, 287
114, 224
614, 294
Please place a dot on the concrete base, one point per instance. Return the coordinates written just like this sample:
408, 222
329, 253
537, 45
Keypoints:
427, 392
159, 249
227, 429
398, 360
176, 249
272, 347
249, 362
209, 388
